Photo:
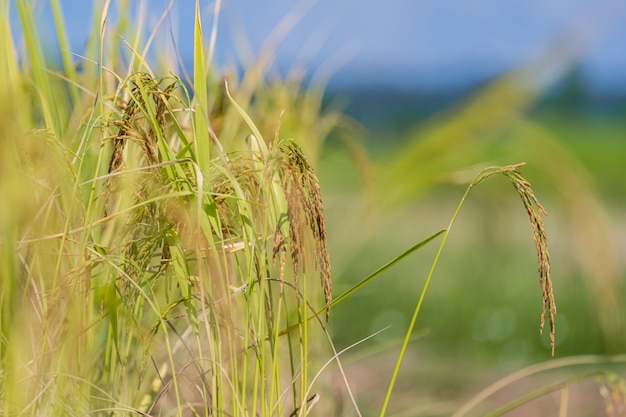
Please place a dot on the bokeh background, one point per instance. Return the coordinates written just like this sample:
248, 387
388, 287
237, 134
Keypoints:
433, 91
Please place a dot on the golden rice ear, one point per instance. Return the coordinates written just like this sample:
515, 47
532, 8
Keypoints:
304, 211
535, 210
133, 125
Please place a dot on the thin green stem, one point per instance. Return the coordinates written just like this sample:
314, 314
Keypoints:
418, 308
368, 279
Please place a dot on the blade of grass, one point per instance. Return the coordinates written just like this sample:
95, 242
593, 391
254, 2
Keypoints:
418, 308
69, 70
541, 392
10, 75
213, 38
535, 369
200, 99
369, 278
255, 130
51, 112
384, 268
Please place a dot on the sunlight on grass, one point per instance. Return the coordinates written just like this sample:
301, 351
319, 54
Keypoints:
164, 248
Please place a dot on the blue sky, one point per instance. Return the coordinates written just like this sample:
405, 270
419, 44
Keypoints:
424, 43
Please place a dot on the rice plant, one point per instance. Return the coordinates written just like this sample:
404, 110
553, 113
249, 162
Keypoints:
163, 243
148, 265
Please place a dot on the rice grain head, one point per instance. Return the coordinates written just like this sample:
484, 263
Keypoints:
535, 210
304, 212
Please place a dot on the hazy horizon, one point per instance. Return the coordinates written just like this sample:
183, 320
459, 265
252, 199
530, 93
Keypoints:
444, 44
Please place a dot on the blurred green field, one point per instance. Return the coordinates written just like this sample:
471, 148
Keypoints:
480, 318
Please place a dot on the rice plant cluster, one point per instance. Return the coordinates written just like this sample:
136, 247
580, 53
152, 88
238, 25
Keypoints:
148, 265
163, 244
170, 294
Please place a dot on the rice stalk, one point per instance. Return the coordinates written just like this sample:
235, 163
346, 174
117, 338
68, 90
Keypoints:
535, 210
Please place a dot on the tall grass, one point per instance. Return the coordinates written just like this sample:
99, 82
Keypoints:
164, 248
151, 256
